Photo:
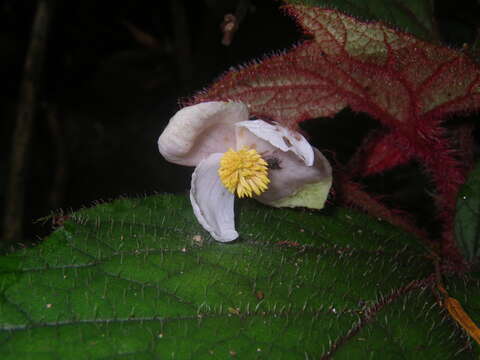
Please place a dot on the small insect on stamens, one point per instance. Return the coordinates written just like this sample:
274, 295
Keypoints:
273, 163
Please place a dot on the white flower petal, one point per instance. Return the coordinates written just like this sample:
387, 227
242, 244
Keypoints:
212, 203
279, 136
199, 130
291, 175
311, 196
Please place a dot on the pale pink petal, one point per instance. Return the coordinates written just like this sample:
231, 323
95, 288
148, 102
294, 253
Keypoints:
280, 137
212, 203
290, 174
199, 130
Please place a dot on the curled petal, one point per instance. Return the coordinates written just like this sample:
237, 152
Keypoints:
197, 131
280, 137
292, 178
212, 203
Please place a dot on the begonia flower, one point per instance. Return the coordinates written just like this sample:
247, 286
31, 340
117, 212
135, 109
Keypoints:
235, 156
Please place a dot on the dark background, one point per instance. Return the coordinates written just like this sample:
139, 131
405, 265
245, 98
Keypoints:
112, 94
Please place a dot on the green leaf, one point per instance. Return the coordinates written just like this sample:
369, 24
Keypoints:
467, 218
140, 279
413, 16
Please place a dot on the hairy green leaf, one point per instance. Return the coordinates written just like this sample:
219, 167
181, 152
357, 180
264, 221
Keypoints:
467, 218
140, 279
413, 16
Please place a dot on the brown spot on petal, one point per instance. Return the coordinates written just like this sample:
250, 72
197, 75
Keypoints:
286, 141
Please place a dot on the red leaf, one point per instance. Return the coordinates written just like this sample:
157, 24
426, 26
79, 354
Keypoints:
407, 84
390, 75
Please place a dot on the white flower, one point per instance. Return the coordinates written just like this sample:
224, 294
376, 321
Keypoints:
234, 155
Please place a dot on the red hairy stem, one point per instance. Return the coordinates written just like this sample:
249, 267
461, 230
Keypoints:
380, 151
353, 194
465, 143
429, 145
448, 174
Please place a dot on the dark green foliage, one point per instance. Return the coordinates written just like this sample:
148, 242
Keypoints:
467, 218
132, 280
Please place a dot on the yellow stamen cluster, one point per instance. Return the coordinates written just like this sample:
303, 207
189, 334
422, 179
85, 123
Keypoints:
244, 172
